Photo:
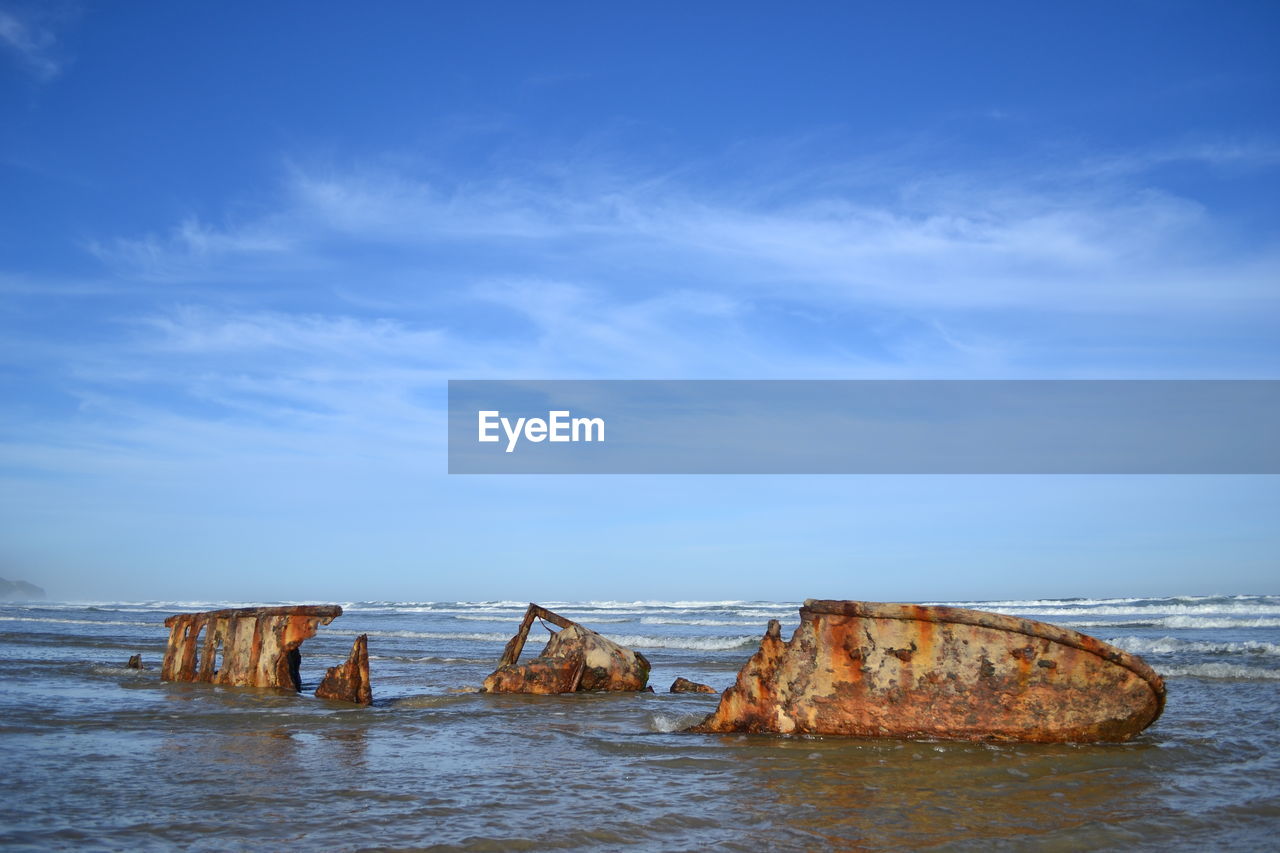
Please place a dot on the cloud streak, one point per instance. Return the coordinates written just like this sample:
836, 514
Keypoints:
32, 47
950, 245
339, 312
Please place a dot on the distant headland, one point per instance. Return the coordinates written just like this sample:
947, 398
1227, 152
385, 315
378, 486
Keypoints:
19, 590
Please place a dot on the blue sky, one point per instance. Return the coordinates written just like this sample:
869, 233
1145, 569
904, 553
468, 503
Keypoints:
242, 250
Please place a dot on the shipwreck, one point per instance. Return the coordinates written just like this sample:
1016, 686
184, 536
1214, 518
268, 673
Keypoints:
259, 647
575, 660
912, 671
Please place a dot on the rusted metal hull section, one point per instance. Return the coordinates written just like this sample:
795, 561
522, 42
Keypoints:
349, 681
896, 670
575, 660
242, 647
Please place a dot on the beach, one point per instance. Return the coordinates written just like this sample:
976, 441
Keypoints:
105, 757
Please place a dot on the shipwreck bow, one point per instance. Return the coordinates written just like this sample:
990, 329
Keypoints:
913, 671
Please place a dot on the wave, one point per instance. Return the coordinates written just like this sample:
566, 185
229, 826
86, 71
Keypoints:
463, 617
1238, 608
1226, 671
666, 723
631, 641
727, 604
426, 635
1168, 604
106, 623
1174, 622
705, 644
432, 659
638, 606
679, 620
151, 606
120, 671
1142, 602
1173, 645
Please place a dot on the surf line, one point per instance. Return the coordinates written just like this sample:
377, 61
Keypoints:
559, 425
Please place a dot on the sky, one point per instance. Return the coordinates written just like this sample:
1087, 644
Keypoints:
243, 248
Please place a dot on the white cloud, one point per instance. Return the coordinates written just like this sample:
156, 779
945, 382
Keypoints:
339, 314
947, 245
31, 45
1243, 154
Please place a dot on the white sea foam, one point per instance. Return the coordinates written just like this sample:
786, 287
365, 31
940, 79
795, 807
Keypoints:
1174, 645
126, 671
673, 722
667, 605
679, 620
106, 623
1175, 622
1142, 603
1207, 622
631, 641
464, 617
1208, 609
430, 659
706, 644
1220, 670
1033, 603
428, 635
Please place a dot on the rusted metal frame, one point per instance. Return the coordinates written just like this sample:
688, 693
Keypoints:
227, 646
515, 646
319, 611
214, 629
577, 676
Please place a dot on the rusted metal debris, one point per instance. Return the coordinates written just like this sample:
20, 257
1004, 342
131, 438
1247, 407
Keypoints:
242, 647
575, 660
912, 671
684, 685
349, 681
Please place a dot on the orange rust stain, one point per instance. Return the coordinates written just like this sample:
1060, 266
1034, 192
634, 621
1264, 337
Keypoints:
973, 693
243, 664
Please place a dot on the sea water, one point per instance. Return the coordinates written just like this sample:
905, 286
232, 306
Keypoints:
99, 756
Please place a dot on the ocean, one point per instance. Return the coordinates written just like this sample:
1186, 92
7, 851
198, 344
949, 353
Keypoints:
99, 756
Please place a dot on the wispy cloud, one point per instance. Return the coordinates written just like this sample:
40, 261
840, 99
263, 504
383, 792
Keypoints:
1249, 155
337, 315
32, 46
946, 244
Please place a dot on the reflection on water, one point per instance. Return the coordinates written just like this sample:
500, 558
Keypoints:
890, 794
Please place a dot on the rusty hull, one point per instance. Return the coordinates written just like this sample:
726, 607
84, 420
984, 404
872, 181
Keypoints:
242, 647
912, 671
349, 681
575, 660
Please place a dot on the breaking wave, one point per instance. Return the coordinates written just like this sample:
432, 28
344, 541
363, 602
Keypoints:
1225, 671
1174, 622
430, 635
1174, 645
666, 723
102, 622
515, 617
430, 659
715, 623
631, 641
706, 644
1239, 609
